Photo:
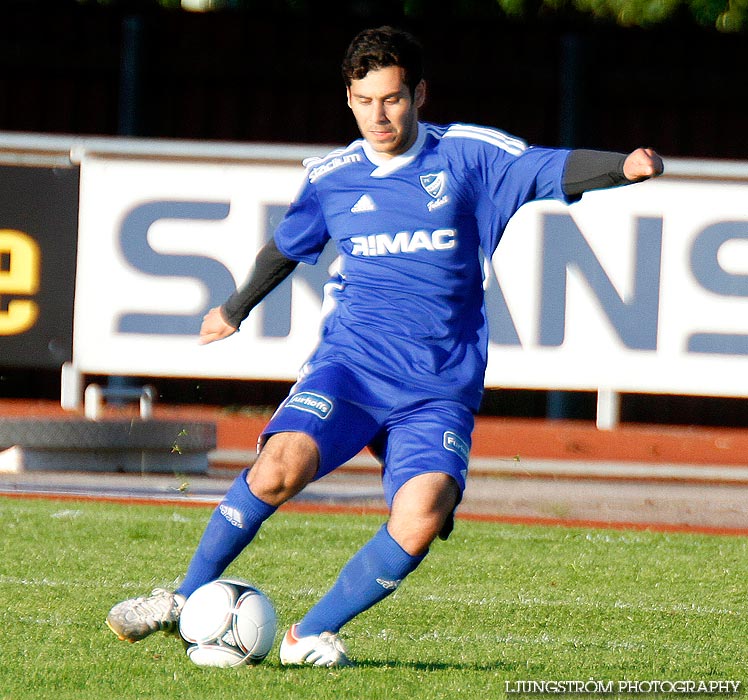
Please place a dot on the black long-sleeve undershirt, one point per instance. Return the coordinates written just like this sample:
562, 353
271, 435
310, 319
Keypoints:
587, 170
271, 268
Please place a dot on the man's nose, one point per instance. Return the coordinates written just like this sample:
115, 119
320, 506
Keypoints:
380, 114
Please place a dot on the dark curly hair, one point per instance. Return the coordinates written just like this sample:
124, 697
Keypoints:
373, 49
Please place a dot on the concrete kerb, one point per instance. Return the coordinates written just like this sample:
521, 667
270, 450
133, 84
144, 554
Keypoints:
129, 445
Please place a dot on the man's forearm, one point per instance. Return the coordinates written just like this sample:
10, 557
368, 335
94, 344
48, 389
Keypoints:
271, 268
593, 170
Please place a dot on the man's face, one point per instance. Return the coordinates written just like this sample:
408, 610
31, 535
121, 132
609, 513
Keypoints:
385, 111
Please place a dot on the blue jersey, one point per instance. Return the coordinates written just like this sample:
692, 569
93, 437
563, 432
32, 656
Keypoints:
412, 232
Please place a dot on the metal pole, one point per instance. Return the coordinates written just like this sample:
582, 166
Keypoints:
564, 404
131, 72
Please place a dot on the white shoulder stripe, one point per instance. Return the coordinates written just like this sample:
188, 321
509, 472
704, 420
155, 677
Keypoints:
497, 138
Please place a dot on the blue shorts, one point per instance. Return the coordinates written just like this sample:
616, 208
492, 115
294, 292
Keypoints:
409, 439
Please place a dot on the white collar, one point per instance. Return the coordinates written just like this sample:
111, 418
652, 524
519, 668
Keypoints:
387, 166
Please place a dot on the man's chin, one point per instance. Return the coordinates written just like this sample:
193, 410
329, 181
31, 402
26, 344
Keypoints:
389, 148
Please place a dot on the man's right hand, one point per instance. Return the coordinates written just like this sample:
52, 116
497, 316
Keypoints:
214, 327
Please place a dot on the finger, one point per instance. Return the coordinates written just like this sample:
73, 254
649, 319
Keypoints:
207, 338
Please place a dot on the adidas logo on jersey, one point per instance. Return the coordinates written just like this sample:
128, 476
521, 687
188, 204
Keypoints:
365, 203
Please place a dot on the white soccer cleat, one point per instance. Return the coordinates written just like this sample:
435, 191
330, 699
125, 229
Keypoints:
324, 649
134, 619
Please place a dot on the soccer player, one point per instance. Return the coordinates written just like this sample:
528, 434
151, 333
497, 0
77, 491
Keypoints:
413, 209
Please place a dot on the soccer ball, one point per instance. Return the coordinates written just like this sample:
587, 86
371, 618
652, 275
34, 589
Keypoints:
226, 623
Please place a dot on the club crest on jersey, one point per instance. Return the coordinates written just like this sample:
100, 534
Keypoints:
435, 185
311, 403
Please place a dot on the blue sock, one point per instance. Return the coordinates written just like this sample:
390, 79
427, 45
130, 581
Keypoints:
374, 572
231, 528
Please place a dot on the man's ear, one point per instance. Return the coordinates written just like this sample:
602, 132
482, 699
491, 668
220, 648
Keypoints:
419, 98
348, 96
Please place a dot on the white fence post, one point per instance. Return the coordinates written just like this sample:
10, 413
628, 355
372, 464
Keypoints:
608, 409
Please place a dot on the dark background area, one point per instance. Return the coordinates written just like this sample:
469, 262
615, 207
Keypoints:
69, 68
241, 76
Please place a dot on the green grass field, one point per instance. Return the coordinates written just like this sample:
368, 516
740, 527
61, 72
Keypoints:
493, 604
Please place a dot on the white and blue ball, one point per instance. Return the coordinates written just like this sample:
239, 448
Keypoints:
227, 623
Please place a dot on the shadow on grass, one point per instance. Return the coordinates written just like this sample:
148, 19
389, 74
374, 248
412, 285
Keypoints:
428, 666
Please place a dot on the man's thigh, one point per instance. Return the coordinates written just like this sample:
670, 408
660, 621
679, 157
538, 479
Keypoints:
432, 436
339, 427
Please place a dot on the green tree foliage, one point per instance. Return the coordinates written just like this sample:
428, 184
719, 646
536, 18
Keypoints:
723, 15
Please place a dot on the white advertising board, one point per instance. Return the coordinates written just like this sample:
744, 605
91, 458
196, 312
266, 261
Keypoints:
161, 243
639, 289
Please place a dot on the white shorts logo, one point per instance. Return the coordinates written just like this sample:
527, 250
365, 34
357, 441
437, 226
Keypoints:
454, 443
311, 403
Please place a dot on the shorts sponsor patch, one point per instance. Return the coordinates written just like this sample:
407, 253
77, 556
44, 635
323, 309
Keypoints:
312, 403
454, 443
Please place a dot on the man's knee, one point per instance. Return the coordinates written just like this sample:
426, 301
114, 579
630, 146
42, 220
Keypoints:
421, 509
286, 464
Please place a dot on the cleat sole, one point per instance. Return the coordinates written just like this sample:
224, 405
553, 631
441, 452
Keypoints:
121, 637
